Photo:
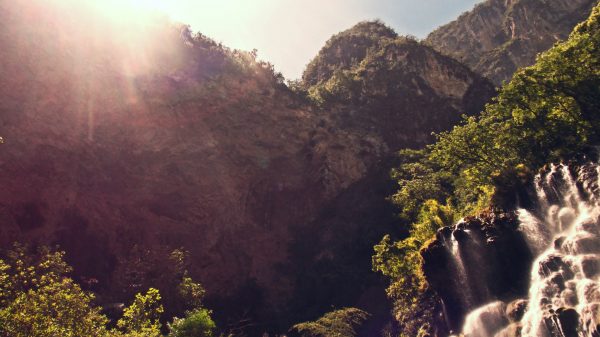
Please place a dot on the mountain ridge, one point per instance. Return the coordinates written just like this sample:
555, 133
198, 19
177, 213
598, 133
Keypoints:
499, 36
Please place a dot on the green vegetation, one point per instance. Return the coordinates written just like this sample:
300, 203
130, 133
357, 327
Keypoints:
346, 50
338, 323
197, 323
370, 79
548, 112
39, 299
401, 262
359, 66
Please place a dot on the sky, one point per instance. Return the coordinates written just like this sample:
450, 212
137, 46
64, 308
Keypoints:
289, 33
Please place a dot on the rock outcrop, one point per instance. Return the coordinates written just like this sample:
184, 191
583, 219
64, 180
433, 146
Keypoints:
478, 260
499, 36
529, 273
393, 85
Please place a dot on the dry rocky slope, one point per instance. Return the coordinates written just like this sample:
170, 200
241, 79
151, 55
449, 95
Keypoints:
499, 36
124, 141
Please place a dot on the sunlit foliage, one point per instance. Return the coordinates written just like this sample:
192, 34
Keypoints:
343, 322
401, 262
39, 299
197, 323
548, 112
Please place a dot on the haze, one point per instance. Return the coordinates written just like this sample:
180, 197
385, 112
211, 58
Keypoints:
288, 33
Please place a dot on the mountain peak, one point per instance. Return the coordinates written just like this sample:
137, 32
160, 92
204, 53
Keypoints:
346, 49
499, 36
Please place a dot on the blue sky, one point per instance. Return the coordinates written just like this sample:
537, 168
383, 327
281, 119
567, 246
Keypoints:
288, 33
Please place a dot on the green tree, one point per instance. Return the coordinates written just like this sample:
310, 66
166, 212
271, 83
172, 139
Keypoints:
548, 112
338, 323
143, 315
401, 261
197, 323
38, 299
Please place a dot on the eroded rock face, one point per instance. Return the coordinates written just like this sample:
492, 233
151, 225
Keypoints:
373, 80
123, 144
475, 261
499, 36
102, 155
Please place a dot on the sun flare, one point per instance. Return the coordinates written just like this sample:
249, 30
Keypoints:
134, 11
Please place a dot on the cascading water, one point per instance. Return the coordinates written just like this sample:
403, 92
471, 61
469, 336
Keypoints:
461, 273
563, 232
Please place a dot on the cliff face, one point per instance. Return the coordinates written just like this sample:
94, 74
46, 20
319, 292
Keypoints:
517, 273
124, 143
478, 260
177, 144
393, 85
499, 36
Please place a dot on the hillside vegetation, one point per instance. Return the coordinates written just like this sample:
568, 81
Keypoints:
546, 113
178, 175
372, 79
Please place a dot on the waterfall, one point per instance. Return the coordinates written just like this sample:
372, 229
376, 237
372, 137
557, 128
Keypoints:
563, 232
461, 271
486, 321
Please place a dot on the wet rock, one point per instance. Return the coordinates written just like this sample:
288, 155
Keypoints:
552, 263
558, 280
569, 297
492, 256
569, 321
443, 233
516, 309
512, 330
590, 227
460, 235
558, 242
583, 245
590, 266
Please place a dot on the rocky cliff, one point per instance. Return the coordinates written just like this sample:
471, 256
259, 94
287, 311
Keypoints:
531, 272
124, 141
373, 80
499, 36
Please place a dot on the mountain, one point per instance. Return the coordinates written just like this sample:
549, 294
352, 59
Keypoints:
499, 36
372, 79
126, 140
506, 229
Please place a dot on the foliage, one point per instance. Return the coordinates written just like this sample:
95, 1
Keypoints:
191, 291
143, 315
419, 180
345, 50
38, 299
164, 269
372, 75
548, 112
197, 323
401, 261
338, 323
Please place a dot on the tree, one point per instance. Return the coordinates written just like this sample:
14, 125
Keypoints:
197, 323
143, 315
338, 323
37, 299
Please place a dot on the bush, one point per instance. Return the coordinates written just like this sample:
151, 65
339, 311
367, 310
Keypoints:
197, 323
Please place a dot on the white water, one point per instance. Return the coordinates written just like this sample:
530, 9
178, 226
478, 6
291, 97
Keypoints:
454, 247
564, 233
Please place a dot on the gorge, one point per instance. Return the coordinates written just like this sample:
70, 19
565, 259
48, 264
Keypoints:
153, 155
